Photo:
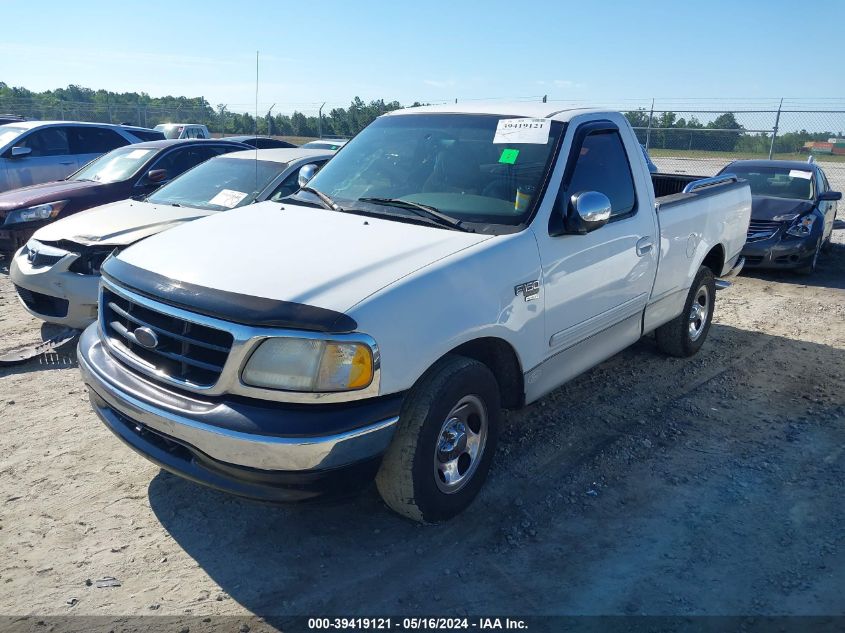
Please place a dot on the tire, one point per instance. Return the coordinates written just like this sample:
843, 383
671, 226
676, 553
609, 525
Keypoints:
443, 418
685, 334
810, 268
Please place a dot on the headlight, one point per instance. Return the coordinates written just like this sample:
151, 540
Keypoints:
789, 217
38, 212
802, 226
295, 364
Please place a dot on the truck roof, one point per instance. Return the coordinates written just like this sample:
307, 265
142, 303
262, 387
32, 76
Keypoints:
503, 108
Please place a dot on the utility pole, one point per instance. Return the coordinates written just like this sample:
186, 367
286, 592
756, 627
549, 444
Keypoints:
270, 120
775, 129
648, 130
320, 120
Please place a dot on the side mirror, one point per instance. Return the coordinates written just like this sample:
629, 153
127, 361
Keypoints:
21, 151
157, 175
306, 173
830, 196
588, 211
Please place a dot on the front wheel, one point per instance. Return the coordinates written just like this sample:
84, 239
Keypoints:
811, 266
685, 334
445, 441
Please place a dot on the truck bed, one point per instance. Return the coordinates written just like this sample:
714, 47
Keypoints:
670, 184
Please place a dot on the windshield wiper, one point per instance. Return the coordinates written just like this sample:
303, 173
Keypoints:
423, 210
330, 204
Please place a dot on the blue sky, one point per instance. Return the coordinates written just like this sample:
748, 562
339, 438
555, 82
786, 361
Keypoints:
604, 52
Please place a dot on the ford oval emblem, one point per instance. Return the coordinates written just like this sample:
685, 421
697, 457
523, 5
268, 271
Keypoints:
145, 337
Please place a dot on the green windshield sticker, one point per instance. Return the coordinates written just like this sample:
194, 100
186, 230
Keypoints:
508, 156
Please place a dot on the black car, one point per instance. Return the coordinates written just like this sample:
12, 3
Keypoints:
125, 172
260, 142
10, 118
792, 213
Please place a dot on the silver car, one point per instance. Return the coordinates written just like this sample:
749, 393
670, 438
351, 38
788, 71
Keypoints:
32, 152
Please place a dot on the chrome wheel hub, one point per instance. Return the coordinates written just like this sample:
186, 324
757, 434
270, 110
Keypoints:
698, 313
460, 444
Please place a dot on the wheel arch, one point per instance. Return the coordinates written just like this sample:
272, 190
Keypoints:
501, 358
715, 260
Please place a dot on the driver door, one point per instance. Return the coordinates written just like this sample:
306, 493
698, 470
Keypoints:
596, 285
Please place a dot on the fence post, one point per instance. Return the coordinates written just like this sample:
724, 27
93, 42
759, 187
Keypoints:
320, 120
775, 130
648, 129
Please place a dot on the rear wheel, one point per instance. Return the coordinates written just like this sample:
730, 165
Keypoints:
685, 334
444, 443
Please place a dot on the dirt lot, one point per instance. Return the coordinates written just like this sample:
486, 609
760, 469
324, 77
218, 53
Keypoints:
711, 485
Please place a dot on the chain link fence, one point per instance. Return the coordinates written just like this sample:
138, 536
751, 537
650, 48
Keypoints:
701, 142
680, 139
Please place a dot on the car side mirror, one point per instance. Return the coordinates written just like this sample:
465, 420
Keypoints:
19, 151
306, 173
587, 211
157, 175
830, 196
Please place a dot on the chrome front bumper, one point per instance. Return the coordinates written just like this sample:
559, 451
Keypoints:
226, 432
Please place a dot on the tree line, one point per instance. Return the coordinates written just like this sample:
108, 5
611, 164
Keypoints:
668, 129
85, 104
724, 133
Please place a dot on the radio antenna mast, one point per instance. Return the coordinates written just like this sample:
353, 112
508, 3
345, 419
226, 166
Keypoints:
256, 122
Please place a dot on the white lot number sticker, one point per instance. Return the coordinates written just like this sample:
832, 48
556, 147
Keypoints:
228, 198
797, 173
513, 131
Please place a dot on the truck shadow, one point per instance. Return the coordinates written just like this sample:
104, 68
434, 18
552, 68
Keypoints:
533, 542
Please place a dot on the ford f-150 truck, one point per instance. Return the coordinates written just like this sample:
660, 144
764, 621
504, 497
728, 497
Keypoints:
448, 262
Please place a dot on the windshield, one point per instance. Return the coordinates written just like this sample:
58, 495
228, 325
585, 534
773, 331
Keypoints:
219, 184
9, 133
475, 168
170, 131
779, 182
117, 165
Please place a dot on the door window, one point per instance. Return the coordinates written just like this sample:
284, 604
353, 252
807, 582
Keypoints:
95, 140
51, 141
290, 184
603, 166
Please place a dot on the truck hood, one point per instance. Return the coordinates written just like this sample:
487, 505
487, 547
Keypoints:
327, 259
117, 224
767, 207
46, 192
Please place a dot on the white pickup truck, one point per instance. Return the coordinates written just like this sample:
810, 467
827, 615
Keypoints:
448, 262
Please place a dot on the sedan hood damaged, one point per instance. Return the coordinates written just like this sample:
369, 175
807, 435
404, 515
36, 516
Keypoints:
326, 259
117, 224
768, 207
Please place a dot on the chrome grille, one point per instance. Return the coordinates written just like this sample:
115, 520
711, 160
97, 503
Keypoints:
187, 352
762, 229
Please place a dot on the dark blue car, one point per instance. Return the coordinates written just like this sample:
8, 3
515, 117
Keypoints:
792, 213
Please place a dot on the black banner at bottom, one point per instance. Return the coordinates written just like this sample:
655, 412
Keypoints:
297, 624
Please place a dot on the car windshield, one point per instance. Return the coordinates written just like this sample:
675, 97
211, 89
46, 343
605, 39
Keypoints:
477, 168
117, 165
779, 182
170, 131
219, 184
9, 133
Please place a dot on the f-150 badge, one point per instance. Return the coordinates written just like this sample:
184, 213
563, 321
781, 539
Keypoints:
530, 290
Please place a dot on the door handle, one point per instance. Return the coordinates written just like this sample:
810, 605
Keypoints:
644, 246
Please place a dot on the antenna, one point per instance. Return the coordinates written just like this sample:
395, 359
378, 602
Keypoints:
256, 122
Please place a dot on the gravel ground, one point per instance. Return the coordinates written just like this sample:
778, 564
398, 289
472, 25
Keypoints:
711, 485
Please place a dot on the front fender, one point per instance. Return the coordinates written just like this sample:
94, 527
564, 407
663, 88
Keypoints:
463, 297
